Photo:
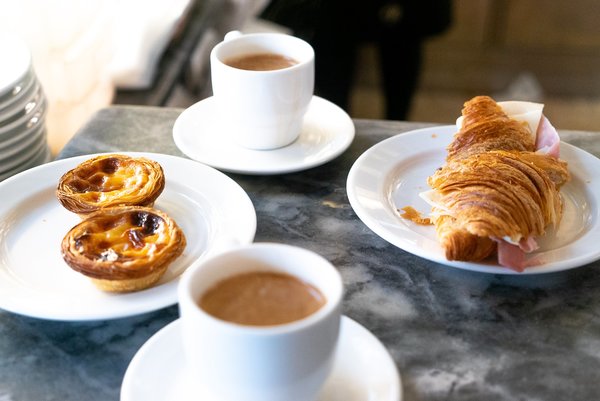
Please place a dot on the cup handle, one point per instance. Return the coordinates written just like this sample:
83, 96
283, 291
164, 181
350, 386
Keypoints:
232, 35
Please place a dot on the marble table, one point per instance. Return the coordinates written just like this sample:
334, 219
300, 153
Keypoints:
454, 335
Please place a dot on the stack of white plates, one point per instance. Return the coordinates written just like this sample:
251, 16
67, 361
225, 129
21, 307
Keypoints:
23, 107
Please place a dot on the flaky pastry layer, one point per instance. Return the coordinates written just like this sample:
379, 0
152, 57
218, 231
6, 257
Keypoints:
498, 194
486, 127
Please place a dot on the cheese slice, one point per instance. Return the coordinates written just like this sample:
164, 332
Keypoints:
529, 112
432, 197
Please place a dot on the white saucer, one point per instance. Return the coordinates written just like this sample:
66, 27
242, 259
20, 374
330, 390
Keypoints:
327, 132
363, 369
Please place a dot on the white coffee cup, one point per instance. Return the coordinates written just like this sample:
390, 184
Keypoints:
262, 109
234, 362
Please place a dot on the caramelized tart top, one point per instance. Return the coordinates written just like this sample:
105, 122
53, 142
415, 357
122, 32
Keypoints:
123, 242
110, 180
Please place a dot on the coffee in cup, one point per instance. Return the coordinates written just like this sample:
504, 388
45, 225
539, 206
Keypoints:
260, 359
262, 298
261, 62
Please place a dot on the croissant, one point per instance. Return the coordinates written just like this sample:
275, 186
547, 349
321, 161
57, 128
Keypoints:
495, 194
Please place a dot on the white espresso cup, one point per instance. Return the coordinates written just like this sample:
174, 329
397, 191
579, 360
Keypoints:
262, 109
235, 362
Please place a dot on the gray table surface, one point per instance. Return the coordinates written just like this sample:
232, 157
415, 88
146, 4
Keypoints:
455, 335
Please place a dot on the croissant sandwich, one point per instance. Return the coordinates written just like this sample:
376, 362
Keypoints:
499, 188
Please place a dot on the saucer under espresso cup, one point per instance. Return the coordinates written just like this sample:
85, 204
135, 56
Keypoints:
362, 370
262, 85
227, 341
327, 131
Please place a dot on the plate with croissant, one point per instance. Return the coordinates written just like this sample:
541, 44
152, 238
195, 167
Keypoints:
108, 235
497, 193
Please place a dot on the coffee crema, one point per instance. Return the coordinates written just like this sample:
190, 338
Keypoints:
261, 298
261, 62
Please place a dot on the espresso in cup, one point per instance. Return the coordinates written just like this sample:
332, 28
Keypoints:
261, 62
262, 298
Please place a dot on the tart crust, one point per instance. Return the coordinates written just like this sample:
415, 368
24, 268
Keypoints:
110, 180
125, 248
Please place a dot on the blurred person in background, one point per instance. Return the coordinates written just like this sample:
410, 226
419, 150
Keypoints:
337, 28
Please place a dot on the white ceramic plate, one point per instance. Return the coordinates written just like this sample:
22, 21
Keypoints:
43, 155
23, 151
326, 133
16, 140
363, 369
17, 60
34, 112
213, 211
390, 175
23, 89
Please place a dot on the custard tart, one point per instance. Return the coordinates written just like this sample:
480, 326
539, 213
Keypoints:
110, 180
124, 248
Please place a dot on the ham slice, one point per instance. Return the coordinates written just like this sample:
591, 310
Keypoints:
528, 244
511, 256
547, 139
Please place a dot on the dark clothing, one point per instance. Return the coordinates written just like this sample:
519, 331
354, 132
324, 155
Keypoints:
336, 28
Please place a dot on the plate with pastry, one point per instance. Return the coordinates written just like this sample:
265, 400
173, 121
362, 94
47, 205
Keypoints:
497, 193
107, 236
